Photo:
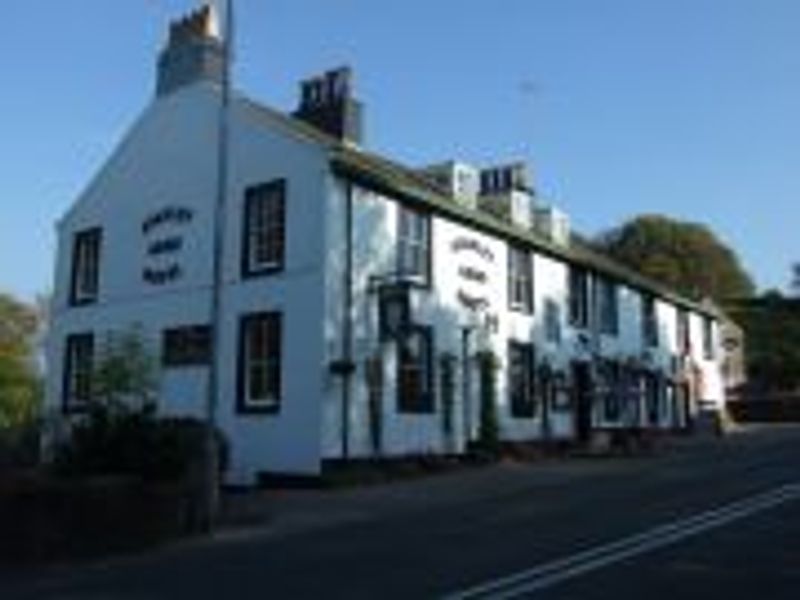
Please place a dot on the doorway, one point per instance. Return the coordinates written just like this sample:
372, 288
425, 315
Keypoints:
582, 390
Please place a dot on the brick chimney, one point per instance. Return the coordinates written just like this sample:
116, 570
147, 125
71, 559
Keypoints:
327, 103
194, 52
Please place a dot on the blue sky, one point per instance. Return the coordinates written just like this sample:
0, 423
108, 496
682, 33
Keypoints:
685, 107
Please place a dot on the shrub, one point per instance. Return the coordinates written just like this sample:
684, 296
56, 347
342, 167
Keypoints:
19, 447
117, 440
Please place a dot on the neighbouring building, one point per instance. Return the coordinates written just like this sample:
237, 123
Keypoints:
361, 298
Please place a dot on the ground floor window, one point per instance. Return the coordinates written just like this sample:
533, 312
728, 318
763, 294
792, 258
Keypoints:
611, 391
186, 346
78, 369
652, 390
415, 371
521, 380
260, 349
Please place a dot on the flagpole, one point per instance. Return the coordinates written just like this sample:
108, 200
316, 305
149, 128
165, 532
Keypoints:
219, 221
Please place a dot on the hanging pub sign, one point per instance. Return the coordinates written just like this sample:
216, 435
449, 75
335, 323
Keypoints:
394, 309
163, 233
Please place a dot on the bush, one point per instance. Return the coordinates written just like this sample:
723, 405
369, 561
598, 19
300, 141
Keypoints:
122, 441
19, 447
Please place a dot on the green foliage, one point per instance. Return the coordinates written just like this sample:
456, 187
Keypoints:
125, 371
118, 440
772, 332
489, 428
686, 257
20, 388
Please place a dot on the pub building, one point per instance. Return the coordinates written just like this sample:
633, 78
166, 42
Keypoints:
367, 309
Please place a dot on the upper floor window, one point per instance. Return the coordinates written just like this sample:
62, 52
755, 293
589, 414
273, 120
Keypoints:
684, 332
414, 244
260, 349
186, 346
609, 306
78, 371
552, 321
415, 371
264, 235
649, 321
578, 297
708, 338
85, 282
520, 280
521, 380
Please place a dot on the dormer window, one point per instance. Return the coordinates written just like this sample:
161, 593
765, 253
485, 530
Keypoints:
264, 232
414, 245
85, 283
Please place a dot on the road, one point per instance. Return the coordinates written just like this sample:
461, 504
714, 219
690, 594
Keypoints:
698, 520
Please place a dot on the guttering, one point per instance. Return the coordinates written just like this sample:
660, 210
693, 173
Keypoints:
350, 167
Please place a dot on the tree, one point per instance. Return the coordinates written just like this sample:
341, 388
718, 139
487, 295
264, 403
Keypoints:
20, 388
125, 371
686, 257
772, 328
796, 278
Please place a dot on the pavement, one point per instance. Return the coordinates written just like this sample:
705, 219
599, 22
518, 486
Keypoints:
702, 517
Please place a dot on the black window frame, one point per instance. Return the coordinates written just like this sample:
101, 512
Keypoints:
405, 241
520, 279
653, 398
649, 322
613, 391
608, 297
92, 238
71, 343
522, 396
578, 297
684, 331
424, 402
709, 349
186, 346
271, 191
244, 403
552, 321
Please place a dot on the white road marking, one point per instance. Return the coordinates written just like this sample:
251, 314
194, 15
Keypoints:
557, 571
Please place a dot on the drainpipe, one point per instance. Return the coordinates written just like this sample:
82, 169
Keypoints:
347, 321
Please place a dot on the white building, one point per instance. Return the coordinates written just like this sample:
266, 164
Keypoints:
328, 251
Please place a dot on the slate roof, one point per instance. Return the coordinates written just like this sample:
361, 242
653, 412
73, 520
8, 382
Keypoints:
394, 179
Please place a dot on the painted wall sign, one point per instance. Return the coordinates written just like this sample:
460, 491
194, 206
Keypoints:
467, 244
170, 214
162, 253
474, 272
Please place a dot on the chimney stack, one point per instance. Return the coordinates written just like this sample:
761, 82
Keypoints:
327, 103
194, 53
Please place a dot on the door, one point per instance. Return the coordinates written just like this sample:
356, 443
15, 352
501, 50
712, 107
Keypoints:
582, 390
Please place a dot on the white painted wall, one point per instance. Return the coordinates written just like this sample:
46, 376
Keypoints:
168, 158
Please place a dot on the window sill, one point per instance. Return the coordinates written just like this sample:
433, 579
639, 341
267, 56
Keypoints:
80, 302
418, 412
253, 273
521, 309
73, 409
249, 408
